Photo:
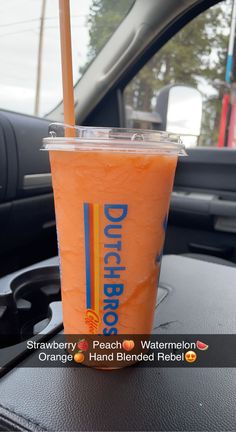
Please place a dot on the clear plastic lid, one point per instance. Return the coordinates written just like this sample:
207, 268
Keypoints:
82, 138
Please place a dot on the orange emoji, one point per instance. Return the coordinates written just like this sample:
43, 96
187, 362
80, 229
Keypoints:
79, 357
128, 345
190, 356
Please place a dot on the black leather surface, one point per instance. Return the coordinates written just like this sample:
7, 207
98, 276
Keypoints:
201, 299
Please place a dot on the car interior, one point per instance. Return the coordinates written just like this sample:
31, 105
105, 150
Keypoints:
197, 285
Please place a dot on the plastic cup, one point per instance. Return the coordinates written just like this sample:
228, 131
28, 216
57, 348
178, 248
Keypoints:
112, 191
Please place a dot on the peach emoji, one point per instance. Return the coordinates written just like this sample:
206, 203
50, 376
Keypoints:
128, 345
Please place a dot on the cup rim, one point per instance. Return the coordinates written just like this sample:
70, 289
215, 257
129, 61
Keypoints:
65, 137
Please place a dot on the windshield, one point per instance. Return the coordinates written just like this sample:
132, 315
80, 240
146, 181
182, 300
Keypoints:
30, 73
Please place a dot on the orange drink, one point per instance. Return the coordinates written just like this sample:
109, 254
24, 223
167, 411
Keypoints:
112, 191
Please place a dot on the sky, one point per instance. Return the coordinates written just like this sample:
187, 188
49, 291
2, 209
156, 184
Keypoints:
19, 37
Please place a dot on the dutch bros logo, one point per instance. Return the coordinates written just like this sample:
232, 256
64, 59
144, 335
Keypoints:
112, 287
111, 273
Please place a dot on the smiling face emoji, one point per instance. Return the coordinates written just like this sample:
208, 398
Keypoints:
190, 356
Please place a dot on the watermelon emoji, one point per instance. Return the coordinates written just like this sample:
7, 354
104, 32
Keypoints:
202, 346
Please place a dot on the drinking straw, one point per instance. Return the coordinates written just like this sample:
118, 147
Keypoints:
66, 65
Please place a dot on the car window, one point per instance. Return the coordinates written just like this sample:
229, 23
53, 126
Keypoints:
195, 57
30, 73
